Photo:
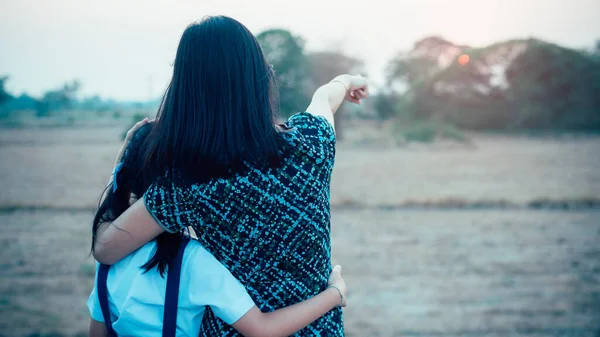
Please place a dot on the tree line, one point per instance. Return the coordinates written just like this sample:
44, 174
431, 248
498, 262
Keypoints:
512, 85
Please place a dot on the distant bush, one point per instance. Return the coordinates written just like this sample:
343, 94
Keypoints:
427, 131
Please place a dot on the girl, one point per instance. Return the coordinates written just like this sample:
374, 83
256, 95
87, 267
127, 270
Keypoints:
256, 193
136, 285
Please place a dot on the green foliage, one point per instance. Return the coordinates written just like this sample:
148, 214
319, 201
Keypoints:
59, 99
427, 131
411, 70
419, 132
385, 106
519, 84
323, 67
560, 87
23, 102
420, 63
285, 52
405, 108
299, 74
94, 103
4, 95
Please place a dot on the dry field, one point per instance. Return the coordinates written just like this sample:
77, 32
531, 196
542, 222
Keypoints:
503, 268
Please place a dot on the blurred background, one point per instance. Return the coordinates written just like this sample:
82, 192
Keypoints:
466, 192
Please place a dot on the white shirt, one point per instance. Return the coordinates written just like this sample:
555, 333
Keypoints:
136, 299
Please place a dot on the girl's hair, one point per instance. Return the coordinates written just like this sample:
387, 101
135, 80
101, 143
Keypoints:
218, 112
132, 180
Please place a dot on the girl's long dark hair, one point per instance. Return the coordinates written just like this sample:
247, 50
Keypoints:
133, 179
218, 112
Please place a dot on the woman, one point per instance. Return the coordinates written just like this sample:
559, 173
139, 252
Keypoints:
133, 297
256, 193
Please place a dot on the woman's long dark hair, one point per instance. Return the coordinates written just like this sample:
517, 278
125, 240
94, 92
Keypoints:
216, 117
133, 179
218, 112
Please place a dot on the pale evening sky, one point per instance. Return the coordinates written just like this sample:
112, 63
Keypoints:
124, 49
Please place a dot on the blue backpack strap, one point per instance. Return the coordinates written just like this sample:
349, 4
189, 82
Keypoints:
103, 298
172, 294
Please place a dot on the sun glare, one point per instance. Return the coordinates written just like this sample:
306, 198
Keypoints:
464, 59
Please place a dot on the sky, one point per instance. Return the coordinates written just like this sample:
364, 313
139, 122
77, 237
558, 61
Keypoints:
124, 49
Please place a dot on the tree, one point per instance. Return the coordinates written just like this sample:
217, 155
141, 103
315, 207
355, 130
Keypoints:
298, 74
410, 70
23, 102
324, 66
4, 95
285, 52
59, 99
518, 84
95, 103
553, 87
427, 56
385, 106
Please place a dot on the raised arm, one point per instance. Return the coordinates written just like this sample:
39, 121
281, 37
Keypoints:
288, 320
328, 98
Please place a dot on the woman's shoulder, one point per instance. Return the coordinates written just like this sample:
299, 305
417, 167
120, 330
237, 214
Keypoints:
312, 125
311, 136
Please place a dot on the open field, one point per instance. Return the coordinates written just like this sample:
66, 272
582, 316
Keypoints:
439, 270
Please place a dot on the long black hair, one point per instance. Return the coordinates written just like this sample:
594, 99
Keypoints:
132, 180
218, 112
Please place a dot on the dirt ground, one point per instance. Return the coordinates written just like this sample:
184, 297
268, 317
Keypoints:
434, 271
